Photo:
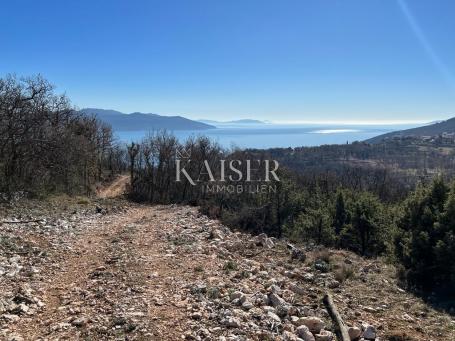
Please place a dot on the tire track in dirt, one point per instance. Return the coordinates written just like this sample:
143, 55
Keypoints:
112, 282
115, 189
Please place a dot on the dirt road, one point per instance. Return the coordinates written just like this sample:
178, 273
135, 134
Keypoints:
109, 282
115, 189
113, 281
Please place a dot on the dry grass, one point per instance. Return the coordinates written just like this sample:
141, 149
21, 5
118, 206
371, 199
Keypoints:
344, 272
323, 254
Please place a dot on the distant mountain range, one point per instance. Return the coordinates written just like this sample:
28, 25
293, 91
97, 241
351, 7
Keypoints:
434, 129
140, 121
244, 121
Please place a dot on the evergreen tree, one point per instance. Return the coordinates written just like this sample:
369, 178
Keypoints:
425, 241
315, 225
341, 216
368, 231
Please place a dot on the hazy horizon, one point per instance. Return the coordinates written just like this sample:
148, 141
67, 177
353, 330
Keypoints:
358, 61
286, 122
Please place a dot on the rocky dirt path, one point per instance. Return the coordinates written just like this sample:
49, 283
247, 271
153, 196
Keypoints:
90, 283
107, 283
115, 189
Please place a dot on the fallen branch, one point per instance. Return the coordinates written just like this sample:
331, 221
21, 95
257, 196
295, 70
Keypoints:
21, 221
340, 326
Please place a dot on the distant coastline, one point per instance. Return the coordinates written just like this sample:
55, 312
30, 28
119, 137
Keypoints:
275, 136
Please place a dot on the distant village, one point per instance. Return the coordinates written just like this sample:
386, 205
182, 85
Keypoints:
445, 138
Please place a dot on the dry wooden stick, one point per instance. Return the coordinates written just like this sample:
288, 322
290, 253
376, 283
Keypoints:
341, 329
21, 222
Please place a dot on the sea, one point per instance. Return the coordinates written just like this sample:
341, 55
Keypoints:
264, 136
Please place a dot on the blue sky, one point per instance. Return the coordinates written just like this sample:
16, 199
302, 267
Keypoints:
341, 60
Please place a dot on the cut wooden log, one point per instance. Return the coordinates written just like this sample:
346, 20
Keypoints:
20, 221
340, 327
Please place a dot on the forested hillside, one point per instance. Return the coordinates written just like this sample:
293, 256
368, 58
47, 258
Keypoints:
46, 145
434, 129
389, 169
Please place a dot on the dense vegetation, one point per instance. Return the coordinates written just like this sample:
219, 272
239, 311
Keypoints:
389, 169
349, 208
425, 238
47, 146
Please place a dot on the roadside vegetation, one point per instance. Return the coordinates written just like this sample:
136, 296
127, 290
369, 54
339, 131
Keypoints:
46, 146
413, 229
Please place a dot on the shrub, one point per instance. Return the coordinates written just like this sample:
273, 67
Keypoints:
230, 266
344, 272
425, 242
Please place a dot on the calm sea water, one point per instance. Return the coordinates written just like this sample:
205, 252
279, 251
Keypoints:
270, 136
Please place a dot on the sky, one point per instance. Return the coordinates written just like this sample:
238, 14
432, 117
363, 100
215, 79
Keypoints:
282, 61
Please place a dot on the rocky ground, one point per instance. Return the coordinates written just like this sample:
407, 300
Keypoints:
106, 269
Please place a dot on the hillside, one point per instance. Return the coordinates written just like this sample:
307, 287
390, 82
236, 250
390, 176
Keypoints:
434, 129
140, 121
109, 269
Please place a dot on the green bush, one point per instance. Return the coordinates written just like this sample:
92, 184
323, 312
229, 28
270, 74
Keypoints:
425, 242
